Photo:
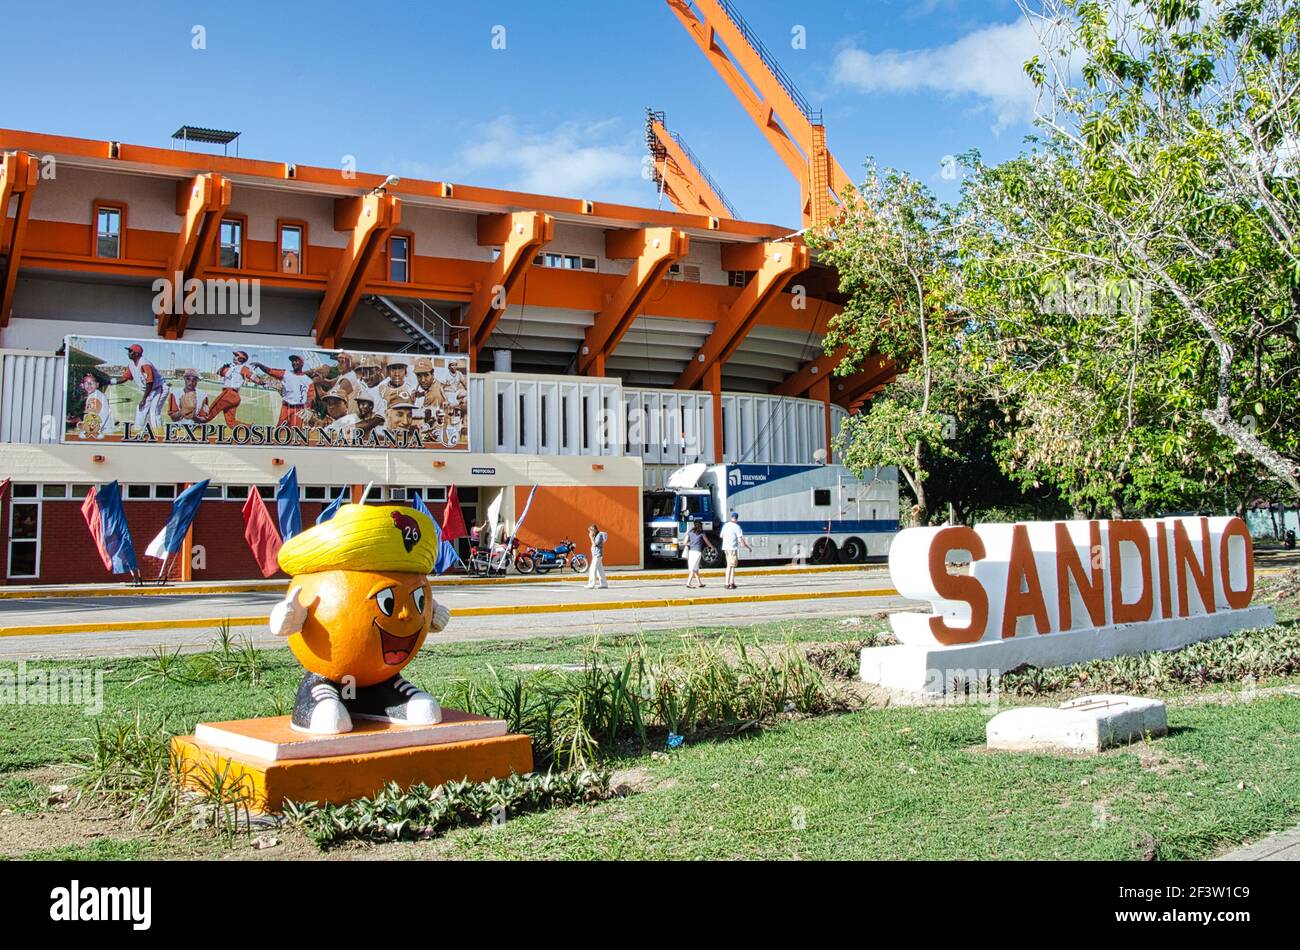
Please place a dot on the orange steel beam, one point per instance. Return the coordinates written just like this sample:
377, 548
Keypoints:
773, 264
18, 176
200, 202
799, 142
370, 218
683, 183
520, 235
810, 374
652, 251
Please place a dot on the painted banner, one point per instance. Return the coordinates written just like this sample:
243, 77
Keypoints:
150, 391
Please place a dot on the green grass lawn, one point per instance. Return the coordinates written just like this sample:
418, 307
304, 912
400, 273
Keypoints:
888, 782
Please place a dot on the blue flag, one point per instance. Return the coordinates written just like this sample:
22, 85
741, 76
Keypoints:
330, 510
184, 508
447, 558
106, 519
418, 504
288, 511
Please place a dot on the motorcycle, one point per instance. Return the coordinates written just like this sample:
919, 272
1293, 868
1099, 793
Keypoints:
544, 560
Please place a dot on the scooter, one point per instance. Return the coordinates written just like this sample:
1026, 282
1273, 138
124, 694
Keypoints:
545, 560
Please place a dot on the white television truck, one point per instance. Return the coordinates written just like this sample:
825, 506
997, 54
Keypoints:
819, 513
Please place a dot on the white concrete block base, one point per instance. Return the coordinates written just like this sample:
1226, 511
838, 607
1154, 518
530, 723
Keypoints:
933, 671
1079, 727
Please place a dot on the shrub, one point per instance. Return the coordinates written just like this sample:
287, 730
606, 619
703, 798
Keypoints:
397, 814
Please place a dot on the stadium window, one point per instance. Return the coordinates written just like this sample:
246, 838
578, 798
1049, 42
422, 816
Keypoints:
54, 491
399, 259
292, 247
398, 494
586, 432
236, 492
214, 491
139, 492
24, 535
267, 492
543, 442
232, 243
501, 420
314, 493
376, 493
438, 494
523, 433
81, 491
164, 491
564, 422
562, 261
108, 231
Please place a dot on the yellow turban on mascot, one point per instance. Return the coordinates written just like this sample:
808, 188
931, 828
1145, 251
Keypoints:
359, 607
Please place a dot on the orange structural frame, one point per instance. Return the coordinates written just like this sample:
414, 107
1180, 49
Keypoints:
370, 218
519, 235
19, 174
652, 251
773, 265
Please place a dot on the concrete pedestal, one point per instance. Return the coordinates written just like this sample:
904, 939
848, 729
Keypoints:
933, 671
273, 762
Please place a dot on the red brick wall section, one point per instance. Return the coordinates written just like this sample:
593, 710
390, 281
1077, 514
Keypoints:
68, 554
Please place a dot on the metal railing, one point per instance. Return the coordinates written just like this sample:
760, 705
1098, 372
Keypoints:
814, 116
658, 153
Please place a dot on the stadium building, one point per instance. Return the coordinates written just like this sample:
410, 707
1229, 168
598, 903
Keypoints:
596, 346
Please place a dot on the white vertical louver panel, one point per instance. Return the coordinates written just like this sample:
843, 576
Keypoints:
31, 398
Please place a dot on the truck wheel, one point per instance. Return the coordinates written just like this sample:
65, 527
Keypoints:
823, 551
853, 552
712, 556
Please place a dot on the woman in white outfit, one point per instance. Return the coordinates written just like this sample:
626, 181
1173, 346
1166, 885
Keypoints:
596, 572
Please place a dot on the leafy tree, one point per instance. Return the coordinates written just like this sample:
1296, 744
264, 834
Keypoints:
1133, 282
896, 267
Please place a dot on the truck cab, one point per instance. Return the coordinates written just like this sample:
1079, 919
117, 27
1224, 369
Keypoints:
669, 514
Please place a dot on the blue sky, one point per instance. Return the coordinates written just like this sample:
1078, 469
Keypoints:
417, 88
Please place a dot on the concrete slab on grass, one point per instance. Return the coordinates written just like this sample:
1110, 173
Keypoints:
1079, 727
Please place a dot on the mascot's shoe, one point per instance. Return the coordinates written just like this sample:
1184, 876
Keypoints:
319, 709
396, 700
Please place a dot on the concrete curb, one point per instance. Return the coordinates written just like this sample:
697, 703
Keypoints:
251, 587
504, 610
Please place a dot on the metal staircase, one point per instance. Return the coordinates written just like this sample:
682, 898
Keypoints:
427, 329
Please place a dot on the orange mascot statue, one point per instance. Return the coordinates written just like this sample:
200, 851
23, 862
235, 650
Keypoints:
358, 609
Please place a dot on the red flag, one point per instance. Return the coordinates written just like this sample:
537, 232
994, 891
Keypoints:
90, 511
261, 533
453, 520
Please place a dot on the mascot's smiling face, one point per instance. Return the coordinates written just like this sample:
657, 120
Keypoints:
362, 624
364, 580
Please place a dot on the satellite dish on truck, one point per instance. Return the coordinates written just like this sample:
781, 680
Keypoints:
688, 476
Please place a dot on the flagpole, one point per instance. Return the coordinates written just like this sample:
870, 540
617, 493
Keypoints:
366, 494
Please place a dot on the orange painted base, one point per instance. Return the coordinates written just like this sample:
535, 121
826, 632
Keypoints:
343, 777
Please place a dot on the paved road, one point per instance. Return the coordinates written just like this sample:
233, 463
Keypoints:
705, 609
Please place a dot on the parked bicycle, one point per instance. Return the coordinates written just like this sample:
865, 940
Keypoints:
544, 560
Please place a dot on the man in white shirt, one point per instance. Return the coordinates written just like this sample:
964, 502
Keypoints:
733, 536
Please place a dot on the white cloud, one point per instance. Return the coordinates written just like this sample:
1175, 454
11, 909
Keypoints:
987, 64
574, 159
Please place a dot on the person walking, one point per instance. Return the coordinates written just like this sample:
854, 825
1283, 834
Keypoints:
596, 572
733, 536
695, 543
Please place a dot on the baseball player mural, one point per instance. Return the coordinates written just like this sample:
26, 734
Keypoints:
155, 390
